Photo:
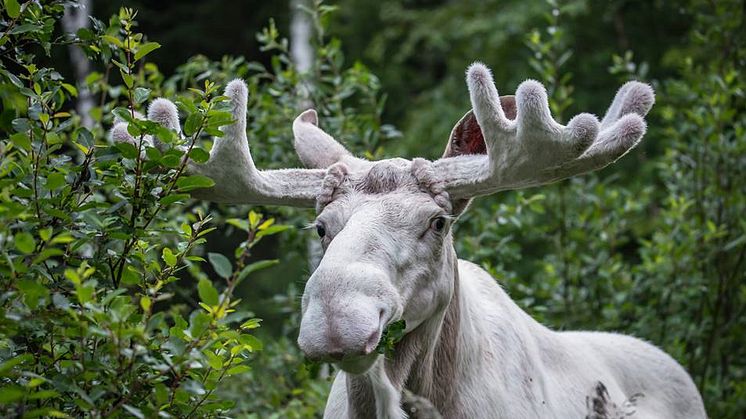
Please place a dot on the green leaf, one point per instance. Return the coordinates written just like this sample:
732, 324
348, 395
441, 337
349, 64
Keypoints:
278, 228
189, 183
46, 254
251, 323
214, 361
238, 369
85, 293
253, 343
128, 150
199, 323
256, 266
44, 394
192, 124
72, 276
254, 219
170, 199
171, 158
70, 89
239, 223
123, 113
13, 8
153, 154
84, 136
24, 242
393, 333
55, 181
207, 293
32, 292
146, 49
129, 81
21, 140
9, 364
146, 303
113, 40
130, 276
169, 257
141, 94
221, 264
199, 155
11, 393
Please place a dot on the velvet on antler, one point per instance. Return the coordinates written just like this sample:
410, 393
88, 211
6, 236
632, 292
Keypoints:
504, 142
525, 146
237, 180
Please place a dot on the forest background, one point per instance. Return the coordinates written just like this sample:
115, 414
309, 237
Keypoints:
120, 296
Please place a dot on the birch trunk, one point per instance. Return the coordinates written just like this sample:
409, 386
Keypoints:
74, 19
302, 55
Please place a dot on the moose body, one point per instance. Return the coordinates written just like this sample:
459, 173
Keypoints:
468, 349
490, 359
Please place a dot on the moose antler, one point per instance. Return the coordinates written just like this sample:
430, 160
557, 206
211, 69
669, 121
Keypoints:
533, 149
237, 180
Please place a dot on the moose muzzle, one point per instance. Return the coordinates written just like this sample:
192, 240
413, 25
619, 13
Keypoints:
345, 310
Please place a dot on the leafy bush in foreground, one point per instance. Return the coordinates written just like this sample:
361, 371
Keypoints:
107, 306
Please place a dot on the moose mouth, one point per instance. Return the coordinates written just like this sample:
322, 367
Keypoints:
360, 363
357, 364
381, 343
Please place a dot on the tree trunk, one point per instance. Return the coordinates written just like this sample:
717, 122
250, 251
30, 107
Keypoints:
74, 19
302, 55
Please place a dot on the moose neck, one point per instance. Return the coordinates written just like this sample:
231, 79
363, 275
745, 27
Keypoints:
424, 361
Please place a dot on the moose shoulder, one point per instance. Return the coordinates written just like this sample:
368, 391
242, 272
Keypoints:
468, 350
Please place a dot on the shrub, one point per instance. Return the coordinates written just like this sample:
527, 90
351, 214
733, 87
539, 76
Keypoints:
108, 304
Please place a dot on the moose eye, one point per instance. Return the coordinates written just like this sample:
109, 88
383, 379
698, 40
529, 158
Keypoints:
438, 224
320, 230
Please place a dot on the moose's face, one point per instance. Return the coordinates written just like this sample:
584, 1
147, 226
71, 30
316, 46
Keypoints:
387, 244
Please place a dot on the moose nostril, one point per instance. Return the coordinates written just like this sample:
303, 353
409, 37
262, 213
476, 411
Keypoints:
372, 342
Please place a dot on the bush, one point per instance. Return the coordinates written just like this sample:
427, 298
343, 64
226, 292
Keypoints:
107, 302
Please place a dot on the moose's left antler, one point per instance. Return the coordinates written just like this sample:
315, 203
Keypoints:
236, 177
526, 147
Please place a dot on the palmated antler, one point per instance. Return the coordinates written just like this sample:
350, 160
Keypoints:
237, 180
525, 146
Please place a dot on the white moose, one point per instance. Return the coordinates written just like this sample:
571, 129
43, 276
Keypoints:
385, 228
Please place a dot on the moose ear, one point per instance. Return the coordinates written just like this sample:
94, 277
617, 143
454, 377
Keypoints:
466, 136
316, 149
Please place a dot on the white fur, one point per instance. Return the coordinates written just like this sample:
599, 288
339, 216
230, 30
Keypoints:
383, 262
510, 366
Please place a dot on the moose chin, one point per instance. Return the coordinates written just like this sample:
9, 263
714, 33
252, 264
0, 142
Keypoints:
385, 226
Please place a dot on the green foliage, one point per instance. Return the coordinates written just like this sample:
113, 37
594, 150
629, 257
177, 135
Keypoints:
113, 301
393, 333
95, 239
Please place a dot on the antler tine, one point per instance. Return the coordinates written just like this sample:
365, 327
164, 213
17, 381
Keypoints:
534, 149
230, 166
486, 102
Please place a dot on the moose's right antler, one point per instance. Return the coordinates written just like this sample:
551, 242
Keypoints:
237, 180
525, 146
